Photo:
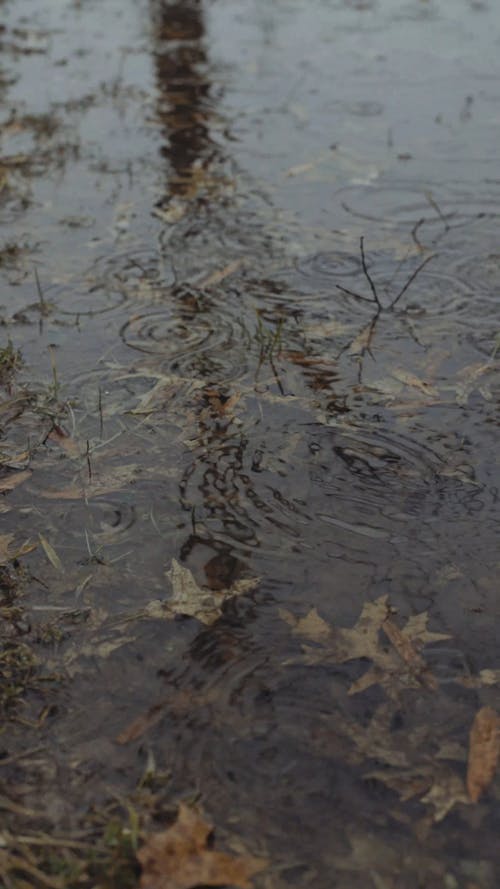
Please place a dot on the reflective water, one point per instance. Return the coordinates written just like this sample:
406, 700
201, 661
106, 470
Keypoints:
191, 181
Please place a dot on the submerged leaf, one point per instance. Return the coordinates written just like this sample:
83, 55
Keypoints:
447, 790
51, 554
11, 481
195, 601
484, 751
179, 857
7, 553
5, 549
362, 641
312, 625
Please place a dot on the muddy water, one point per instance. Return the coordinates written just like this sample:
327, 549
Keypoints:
244, 389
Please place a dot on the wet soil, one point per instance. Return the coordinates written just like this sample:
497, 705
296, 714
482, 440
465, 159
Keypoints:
250, 271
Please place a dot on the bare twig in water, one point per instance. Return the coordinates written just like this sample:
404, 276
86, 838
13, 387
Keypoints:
365, 337
435, 206
41, 299
54, 371
87, 454
411, 279
367, 274
366, 299
376, 299
99, 408
414, 233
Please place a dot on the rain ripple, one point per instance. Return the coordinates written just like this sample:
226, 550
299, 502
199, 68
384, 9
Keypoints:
195, 332
338, 491
139, 273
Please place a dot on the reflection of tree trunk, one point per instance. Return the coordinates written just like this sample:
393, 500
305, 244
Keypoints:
183, 106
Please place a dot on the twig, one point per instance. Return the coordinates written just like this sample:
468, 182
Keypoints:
54, 371
367, 274
43, 304
411, 279
352, 293
87, 454
435, 206
414, 233
99, 407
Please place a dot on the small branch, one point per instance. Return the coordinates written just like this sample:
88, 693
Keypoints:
101, 419
41, 299
414, 233
365, 299
435, 206
89, 466
411, 279
367, 274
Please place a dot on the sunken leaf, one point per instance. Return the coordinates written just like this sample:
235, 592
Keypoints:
179, 858
190, 599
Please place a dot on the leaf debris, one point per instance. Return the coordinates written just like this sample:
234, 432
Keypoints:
190, 599
484, 751
179, 857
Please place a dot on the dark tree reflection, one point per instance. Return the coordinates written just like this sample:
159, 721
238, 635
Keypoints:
184, 92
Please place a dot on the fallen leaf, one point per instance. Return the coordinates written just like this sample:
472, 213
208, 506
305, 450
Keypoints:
51, 554
312, 625
363, 641
74, 658
484, 751
407, 782
469, 380
114, 479
218, 276
12, 459
204, 604
403, 645
141, 724
178, 858
5, 542
65, 441
9, 482
7, 554
414, 382
447, 790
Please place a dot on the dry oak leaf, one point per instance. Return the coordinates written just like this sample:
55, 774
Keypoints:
178, 858
363, 641
484, 751
195, 601
447, 790
13, 479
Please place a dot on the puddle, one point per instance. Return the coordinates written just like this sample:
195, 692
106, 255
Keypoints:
249, 479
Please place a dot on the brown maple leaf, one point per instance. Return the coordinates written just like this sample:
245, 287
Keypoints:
402, 663
178, 858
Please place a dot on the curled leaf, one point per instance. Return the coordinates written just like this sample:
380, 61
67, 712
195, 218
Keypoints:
484, 750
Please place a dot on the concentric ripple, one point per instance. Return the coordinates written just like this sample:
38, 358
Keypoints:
430, 215
193, 333
108, 520
140, 272
245, 724
481, 271
79, 300
324, 268
321, 488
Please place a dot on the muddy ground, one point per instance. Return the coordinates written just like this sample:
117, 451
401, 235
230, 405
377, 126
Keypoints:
249, 474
